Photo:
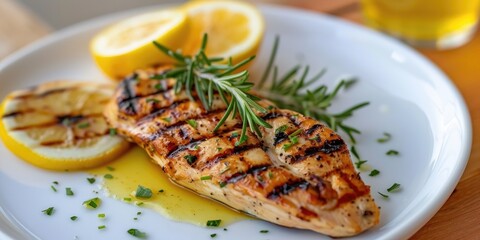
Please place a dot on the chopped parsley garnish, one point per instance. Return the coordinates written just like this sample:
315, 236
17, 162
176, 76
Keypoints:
386, 137
92, 203
167, 119
49, 211
101, 215
91, 180
143, 192
263, 231
270, 175
136, 233
354, 152
392, 152
383, 195
73, 218
161, 191
270, 107
69, 191
53, 188
152, 100
83, 125
281, 129
234, 135
139, 213
359, 163
102, 227
112, 131
192, 123
139, 204
190, 158
158, 86
213, 235
214, 223
219, 149
223, 184
206, 178
374, 172
395, 187
293, 139
127, 199
55, 182
110, 168
108, 176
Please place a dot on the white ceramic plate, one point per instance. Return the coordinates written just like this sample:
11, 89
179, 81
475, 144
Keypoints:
410, 98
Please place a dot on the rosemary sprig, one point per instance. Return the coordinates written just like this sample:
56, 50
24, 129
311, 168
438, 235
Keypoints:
208, 77
292, 92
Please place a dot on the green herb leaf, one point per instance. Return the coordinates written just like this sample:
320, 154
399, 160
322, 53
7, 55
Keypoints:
101, 227
190, 158
110, 168
374, 172
53, 188
83, 125
49, 211
395, 187
152, 100
108, 176
73, 218
213, 235
91, 180
206, 178
69, 191
386, 137
112, 131
214, 223
101, 215
136, 233
281, 129
359, 163
383, 195
192, 123
92, 203
263, 231
392, 153
55, 182
143, 192
158, 86
127, 199
167, 119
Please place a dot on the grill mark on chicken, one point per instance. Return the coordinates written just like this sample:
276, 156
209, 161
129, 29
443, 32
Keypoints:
328, 146
128, 107
313, 128
253, 170
287, 188
210, 162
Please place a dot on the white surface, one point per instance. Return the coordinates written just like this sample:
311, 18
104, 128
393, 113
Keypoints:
410, 98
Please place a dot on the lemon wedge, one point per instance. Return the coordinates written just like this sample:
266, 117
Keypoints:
127, 45
235, 28
60, 126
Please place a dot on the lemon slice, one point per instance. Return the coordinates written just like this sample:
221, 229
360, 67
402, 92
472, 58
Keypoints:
127, 45
235, 29
59, 125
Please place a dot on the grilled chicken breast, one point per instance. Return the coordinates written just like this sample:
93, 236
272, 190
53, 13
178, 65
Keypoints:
308, 185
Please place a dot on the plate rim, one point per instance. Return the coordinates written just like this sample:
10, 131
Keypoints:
404, 230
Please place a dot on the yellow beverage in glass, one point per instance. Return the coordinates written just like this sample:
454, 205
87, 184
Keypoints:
430, 23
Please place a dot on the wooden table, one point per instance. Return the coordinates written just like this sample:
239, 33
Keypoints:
459, 217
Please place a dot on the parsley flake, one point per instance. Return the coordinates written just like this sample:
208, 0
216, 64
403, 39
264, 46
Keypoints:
92, 203
190, 158
383, 195
263, 231
112, 131
143, 192
281, 129
206, 178
136, 233
386, 137
192, 123
152, 100
91, 180
395, 187
213, 235
392, 153
49, 211
108, 176
83, 125
73, 218
374, 172
68, 191
214, 223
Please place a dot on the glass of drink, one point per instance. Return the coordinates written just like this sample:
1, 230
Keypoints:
440, 24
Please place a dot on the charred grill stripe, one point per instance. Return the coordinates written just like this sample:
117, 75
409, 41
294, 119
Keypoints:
227, 153
287, 188
279, 138
329, 146
255, 170
313, 128
178, 149
128, 107
188, 146
159, 111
